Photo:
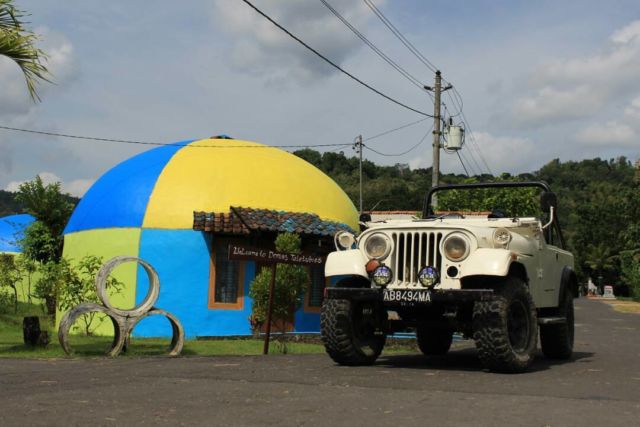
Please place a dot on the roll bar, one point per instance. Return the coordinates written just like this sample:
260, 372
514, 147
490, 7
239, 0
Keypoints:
427, 209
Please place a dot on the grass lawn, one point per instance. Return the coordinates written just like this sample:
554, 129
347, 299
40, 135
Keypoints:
624, 305
11, 343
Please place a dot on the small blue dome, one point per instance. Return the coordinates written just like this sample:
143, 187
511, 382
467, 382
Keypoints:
12, 230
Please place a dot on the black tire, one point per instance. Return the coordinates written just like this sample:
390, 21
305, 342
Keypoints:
556, 340
505, 329
434, 340
352, 331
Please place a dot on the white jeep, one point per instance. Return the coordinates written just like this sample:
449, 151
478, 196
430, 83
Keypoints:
492, 278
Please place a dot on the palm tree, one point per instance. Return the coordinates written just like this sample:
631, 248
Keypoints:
599, 258
17, 44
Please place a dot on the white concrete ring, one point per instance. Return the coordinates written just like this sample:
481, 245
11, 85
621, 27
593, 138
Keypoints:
149, 300
71, 316
177, 339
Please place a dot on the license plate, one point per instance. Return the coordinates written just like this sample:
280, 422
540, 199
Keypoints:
407, 296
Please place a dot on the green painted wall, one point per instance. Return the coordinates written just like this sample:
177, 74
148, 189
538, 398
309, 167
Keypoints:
107, 243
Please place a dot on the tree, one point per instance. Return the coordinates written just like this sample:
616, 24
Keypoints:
18, 44
53, 277
10, 275
28, 266
291, 281
79, 287
599, 259
38, 244
630, 268
52, 210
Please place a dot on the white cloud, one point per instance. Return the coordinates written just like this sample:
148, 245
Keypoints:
621, 133
260, 48
501, 153
632, 112
76, 187
576, 88
627, 34
611, 134
60, 62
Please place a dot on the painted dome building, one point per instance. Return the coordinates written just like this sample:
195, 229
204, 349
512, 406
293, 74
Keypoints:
12, 229
179, 206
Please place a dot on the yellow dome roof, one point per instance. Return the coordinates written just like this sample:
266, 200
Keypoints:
213, 174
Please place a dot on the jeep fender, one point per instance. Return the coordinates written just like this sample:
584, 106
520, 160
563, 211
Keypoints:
569, 280
486, 262
346, 263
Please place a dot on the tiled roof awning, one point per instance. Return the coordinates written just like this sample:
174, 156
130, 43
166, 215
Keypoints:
245, 220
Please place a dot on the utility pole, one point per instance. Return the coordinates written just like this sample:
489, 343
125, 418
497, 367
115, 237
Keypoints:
435, 167
358, 147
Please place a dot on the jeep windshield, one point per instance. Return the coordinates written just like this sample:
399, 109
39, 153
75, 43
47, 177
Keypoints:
490, 200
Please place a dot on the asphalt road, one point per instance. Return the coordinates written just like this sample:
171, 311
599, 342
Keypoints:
599, 387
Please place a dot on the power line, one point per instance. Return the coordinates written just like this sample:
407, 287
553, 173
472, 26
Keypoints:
456, 97
473, 140
400, 36
333, 64
474, 171
127, 141
404, 152
462, 163
137, 142
373, 47
395, 129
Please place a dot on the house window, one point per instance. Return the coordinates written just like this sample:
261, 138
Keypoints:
315, 295
226, 278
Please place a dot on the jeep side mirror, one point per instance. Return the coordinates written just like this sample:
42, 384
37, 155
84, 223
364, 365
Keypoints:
548, 200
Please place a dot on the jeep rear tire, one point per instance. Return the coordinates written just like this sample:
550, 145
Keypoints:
352, 331
434, 340
556, 340
506, 329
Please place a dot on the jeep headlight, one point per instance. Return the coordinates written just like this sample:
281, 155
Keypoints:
344, 240
501, 237
377, 246
456, 247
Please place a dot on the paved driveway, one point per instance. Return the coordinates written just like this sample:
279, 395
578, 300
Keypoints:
600, 387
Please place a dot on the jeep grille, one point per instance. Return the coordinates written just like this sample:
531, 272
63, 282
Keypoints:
412, 251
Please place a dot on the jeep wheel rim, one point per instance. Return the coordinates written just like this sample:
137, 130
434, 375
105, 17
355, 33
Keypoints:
518, 326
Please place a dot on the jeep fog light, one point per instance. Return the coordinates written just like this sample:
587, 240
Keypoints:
382, 275
377, 246
456, 247
428, 276
501, 237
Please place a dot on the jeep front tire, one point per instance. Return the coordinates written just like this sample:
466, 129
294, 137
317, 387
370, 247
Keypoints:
352, 331
505, 328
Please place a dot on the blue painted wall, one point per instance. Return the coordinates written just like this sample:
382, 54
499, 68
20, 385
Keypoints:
182, 259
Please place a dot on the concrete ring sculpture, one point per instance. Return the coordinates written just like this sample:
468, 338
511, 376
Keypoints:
177, 340
71, 316
149, 300
123, 320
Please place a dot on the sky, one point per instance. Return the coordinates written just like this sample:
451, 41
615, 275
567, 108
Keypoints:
538, 81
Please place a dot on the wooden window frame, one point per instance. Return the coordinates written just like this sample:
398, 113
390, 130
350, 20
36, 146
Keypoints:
212, 304
308, 308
